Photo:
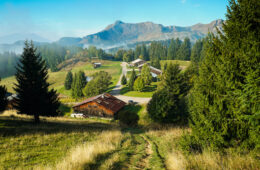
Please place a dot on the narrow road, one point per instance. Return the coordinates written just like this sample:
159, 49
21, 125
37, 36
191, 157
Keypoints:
116, 90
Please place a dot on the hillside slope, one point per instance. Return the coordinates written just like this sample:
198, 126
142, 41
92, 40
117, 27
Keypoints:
121, 33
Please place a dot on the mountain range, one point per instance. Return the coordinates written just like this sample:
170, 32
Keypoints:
120, 34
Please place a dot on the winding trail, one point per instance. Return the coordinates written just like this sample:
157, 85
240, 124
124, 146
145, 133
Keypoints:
116, 90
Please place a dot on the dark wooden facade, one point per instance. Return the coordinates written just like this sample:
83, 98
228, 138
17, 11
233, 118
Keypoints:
104, 105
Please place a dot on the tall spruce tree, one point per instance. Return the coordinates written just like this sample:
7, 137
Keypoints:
196, 51
132, 80
167, 104
184, 51
68, 81
79, 82
33, 96
225, 100
171, 50
3, 100
146, 74
123, 80
156, 63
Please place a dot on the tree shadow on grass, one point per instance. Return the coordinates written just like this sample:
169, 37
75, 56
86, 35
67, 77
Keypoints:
13, 126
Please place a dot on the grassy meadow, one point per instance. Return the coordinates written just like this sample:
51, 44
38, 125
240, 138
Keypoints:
64, 143
148, 91
56, 79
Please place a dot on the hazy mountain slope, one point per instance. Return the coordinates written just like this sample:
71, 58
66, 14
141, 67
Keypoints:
124, 33
9, 39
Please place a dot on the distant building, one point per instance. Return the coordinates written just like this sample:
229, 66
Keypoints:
103, 105
10, 100
88, 78
137, 62
96, 65
154, 71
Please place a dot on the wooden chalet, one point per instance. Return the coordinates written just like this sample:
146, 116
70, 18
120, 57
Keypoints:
137, 62
10, 100
103, 105
96, 65
154, 71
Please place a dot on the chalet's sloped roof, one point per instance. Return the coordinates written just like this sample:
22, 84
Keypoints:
153, 69
136, 61
106, 100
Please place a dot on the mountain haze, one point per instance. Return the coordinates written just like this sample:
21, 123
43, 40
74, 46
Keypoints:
121, 33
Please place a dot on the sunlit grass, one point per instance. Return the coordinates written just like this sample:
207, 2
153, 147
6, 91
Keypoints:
56, 79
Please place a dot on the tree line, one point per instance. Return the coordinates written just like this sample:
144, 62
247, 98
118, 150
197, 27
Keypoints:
218, 95
80, 87
173, 49
8, 61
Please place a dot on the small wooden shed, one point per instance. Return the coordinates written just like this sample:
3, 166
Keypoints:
96, 65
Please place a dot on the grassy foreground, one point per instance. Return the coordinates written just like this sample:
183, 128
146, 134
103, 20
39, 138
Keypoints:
62, 143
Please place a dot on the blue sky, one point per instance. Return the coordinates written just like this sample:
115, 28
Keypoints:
53, 19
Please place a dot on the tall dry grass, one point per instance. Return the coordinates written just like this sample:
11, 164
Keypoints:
83, 155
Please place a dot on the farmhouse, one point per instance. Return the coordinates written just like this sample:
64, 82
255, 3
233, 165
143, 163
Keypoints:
154, 71
137, 62
103, 105
96, 65
10, 100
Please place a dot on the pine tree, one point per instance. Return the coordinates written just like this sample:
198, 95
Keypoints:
79, 82
156, 63
167, 104
225, 100
144, 52
146, 74
132, 80
196, 51
139, 84
184, 51
3, 100
171, 50
33, 96
123, 80
68, 81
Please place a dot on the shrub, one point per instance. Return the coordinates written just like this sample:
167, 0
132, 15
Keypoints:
127, 117
123, 80
139, 84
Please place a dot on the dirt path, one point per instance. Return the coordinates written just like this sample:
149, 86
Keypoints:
144, 162
116, 90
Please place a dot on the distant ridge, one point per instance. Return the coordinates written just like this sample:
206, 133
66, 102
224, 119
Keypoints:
121, 33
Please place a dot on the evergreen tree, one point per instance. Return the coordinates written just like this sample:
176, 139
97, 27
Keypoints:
171, 50
167, 104
99, 84
139, 84
225, 100
123, 80
137, 51
79, 82
68, 81
144, 52
184, 51
196, 51
132, 80
146, 74
33, 96
156, 63
3, 100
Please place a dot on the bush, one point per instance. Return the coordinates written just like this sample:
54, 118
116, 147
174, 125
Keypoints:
127, 117
123, 80
164, 107
139, 84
